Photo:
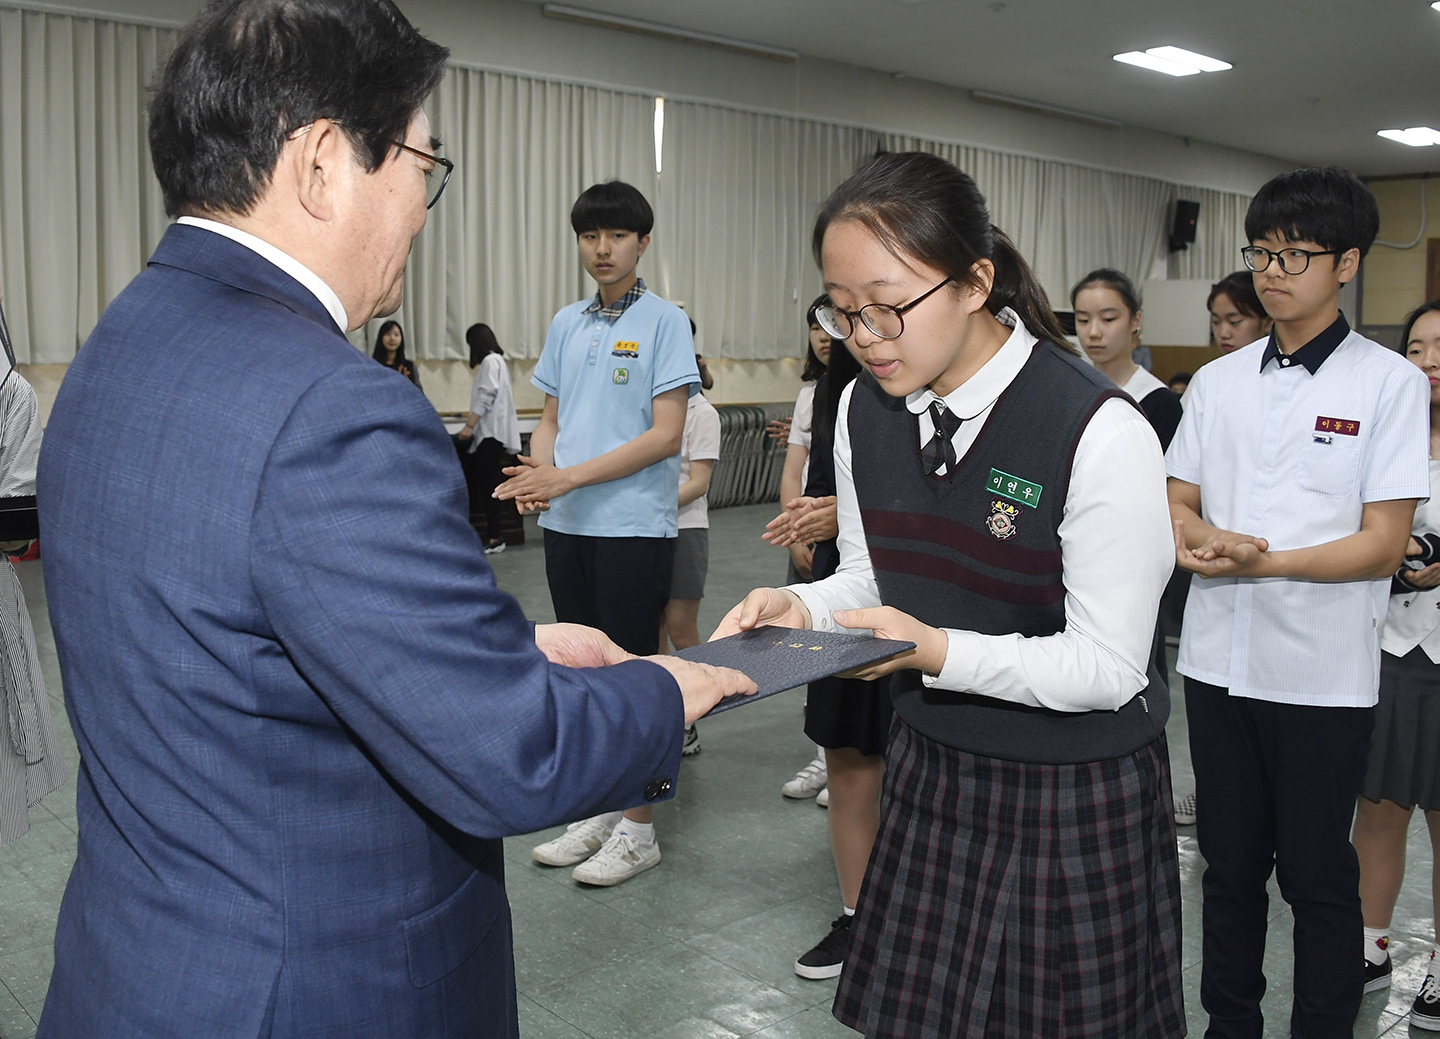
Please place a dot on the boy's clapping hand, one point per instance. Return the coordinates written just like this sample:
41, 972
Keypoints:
533, 484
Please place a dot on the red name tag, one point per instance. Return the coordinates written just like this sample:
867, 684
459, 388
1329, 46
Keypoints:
1346, 427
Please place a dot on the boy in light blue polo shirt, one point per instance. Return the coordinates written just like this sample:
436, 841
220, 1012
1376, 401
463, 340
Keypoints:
617, 371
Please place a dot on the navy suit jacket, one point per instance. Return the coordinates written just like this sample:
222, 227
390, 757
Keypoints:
306, 714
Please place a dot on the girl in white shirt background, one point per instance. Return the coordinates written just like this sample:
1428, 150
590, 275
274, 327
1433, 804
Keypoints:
982, 911
491, 431
1404, 765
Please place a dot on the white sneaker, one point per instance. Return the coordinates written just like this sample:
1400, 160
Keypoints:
619, 859
578, 842
808, 782
822, 799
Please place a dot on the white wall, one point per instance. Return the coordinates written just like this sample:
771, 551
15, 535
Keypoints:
1175, 312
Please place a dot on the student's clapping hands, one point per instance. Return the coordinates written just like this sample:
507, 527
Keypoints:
1227, 555
804, 522
533, 484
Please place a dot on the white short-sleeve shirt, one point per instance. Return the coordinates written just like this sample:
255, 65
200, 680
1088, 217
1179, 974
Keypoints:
800, 423
700, 441
1293, 455
1414, 617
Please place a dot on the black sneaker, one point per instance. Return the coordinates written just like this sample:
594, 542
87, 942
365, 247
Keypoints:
826, 959
692, 742
494, 546
1425, 1013
1377, 975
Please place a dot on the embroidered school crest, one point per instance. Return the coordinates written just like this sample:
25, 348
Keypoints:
1001, 522
620, 376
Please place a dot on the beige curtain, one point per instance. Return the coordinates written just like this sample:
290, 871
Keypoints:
738, 199
1066, 219
498, 247
80, 209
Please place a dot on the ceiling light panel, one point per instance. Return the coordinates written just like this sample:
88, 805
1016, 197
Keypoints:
1180, 55
1148, 61
1174, 61
1414, 136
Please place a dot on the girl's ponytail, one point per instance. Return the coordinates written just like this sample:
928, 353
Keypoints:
1016, 287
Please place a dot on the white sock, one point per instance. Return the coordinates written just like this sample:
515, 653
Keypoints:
820, 752
1377, 944
640, 831
610, 819
848, 910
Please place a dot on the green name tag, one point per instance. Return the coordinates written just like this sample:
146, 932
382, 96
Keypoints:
1014, 488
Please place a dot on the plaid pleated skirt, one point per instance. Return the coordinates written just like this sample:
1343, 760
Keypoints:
1006, 899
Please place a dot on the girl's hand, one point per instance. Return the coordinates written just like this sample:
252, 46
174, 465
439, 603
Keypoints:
764, 606
803, 556
1424, 579
816, 520
931, 644
777, 531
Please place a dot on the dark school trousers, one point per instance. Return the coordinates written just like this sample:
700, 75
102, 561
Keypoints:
1275, 788
619, 585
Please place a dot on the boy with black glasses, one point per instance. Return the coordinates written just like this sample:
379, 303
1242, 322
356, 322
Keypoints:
1293, 480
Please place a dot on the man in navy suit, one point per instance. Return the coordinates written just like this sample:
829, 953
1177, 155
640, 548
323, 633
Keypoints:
306, 715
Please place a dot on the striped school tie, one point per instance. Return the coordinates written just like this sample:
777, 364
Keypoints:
940, 451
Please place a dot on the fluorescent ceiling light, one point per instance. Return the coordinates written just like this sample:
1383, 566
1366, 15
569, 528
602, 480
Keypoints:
1174, 61
672, 32
1202, 62
1414, 136
1436, 5
1154, 64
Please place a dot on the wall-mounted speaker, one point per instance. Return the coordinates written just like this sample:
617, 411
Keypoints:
1182, 230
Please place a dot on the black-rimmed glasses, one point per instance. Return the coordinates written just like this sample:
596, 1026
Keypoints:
1292, 261
882, 319
435, 160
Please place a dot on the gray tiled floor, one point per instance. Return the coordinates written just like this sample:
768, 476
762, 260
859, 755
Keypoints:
700, 947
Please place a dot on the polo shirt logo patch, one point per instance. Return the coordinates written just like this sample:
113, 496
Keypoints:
625, 349
1346, 427
620, 376
1026, 492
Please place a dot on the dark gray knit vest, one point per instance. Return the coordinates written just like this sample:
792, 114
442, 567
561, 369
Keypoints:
979, 550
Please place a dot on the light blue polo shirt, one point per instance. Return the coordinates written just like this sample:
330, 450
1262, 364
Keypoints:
605, 376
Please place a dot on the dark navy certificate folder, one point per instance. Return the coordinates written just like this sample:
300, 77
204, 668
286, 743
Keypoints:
783, 658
